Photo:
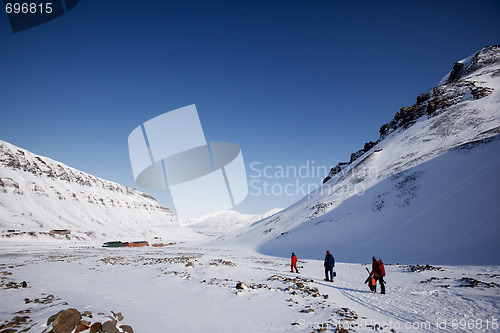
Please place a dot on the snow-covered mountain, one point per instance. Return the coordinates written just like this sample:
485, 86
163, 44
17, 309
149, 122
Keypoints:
426, 191
225, 221
38, 194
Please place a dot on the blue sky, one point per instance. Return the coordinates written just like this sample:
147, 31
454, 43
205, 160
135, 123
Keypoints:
292, 82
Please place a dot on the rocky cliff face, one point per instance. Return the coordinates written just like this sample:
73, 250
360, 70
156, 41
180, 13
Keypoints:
487, 56
38, 194
461, 84
17, 159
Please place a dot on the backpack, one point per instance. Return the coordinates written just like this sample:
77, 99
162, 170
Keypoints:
381, 268
372, 284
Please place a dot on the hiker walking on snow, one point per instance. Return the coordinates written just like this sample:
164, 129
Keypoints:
294, 263
329, 264
378, 272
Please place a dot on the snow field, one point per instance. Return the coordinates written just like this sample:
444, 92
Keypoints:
193, 289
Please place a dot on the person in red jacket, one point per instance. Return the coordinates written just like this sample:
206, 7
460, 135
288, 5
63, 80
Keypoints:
294, 263
378, 272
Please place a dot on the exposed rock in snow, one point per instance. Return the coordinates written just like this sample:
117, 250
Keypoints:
70, 320
66, 321
486, 56
441, 97
241, 285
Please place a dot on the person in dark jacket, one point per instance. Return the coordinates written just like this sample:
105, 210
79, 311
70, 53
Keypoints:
294, 263
378, 272
329, 264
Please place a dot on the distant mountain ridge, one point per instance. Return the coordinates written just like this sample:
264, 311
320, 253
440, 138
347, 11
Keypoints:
224, 222
40, 194
20, 159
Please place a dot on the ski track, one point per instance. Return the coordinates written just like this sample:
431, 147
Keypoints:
344, 292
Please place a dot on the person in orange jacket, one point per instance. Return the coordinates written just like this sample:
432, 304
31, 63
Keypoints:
294, 263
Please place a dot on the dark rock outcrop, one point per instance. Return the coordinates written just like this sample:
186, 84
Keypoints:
485, 57
109, 327
66, 321
437, 99
84, 325
70, 320
241, 286
127, 329
457, 72
95, 328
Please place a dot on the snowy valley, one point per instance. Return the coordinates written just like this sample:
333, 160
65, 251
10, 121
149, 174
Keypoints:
425, 191
423, 197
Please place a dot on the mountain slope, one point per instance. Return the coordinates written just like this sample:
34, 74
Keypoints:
427, 190
38, 194
225, 221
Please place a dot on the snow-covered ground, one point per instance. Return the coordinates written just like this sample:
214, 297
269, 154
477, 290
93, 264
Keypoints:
193, 289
